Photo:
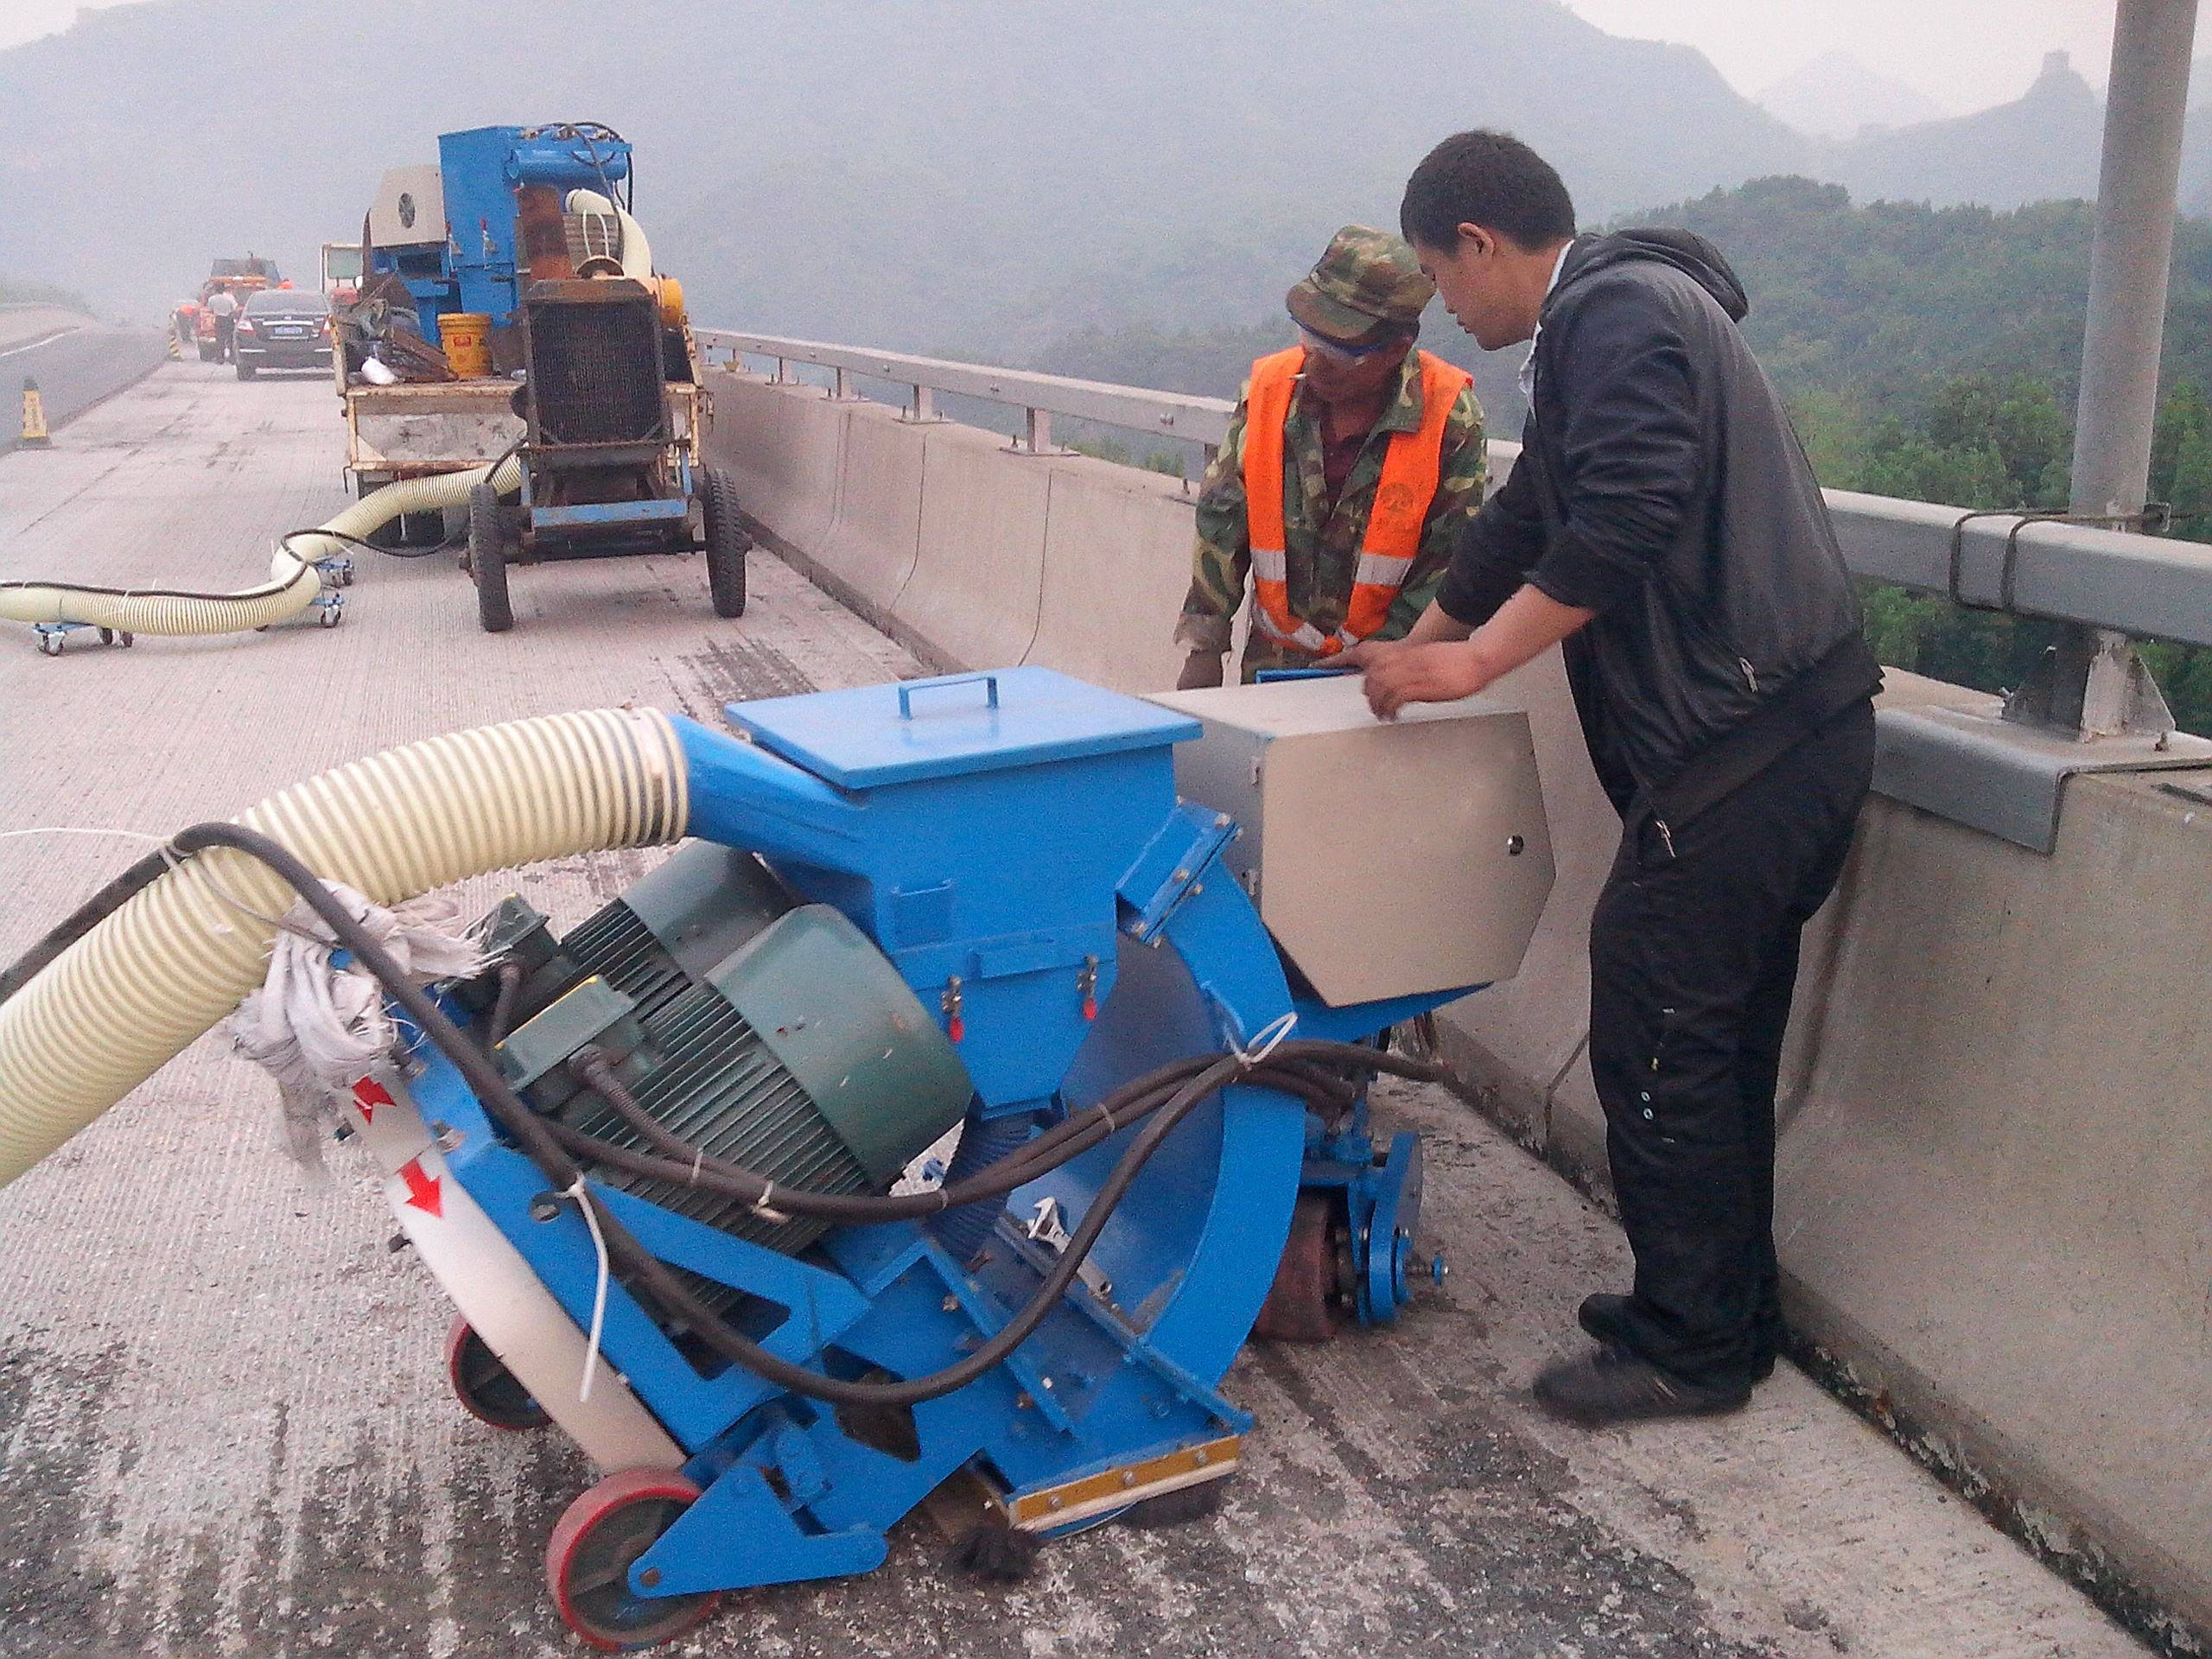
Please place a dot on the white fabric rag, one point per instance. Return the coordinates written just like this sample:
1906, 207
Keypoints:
317, 1027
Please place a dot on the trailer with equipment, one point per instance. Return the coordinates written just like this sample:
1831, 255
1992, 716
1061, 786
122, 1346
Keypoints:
508, 306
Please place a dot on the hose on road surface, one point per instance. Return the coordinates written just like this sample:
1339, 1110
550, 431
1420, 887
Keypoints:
294, 583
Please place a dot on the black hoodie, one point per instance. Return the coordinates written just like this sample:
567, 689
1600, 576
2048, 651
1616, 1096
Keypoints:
1660, 484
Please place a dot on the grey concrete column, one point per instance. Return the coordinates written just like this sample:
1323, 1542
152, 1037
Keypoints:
2095, 685
2128, 261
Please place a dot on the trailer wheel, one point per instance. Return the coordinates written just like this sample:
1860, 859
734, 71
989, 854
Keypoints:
727, 544
487, 560
588, 1558
247, 371
486, 1388
207, 352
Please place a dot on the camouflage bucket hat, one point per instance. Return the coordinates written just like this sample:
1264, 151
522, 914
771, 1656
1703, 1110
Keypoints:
1366, 279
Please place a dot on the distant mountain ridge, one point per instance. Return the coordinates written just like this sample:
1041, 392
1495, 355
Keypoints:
1837, 97
948, 174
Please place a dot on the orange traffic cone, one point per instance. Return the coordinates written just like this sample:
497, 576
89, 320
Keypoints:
34, 434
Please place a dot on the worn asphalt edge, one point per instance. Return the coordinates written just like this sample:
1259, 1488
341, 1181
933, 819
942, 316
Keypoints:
7, 446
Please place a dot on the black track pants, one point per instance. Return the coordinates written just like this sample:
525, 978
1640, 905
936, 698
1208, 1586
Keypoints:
1692, 961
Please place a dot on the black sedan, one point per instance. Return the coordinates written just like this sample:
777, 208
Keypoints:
283, 328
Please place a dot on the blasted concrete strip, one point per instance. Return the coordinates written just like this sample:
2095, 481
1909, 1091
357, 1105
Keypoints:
224, 1428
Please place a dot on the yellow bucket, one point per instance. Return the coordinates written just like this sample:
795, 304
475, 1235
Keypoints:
467, 337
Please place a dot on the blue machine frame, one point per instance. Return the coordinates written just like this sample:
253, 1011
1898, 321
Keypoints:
1013, 843
475, 268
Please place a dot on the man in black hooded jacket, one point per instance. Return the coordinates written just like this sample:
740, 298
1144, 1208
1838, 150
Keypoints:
1663, 524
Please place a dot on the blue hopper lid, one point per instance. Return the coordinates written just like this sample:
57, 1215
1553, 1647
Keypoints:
896, 734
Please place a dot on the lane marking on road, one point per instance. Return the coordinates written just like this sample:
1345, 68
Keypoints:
43, 340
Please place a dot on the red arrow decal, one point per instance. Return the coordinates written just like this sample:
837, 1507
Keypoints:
368, 1095
422, 1189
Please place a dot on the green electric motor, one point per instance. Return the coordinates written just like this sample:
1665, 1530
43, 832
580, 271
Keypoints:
770, 1033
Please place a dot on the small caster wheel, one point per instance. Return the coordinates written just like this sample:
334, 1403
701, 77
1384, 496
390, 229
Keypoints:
107, 636
331, 617
50, 644
126, 639
588, 1558
484, 1386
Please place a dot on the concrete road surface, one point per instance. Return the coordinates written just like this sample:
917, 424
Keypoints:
224, 1427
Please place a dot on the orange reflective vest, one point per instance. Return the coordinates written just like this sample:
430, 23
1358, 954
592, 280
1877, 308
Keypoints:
1411, 468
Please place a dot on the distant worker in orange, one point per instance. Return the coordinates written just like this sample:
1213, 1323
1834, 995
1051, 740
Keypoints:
1349, 467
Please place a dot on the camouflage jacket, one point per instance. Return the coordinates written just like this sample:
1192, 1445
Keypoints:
1321, 556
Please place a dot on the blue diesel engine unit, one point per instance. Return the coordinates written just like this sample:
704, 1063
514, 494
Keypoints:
683, 1169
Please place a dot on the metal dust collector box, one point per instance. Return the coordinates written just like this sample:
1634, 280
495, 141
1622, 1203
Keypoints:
1386, 858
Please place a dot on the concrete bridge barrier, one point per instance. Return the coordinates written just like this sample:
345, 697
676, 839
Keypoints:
1994, 1192
1117, 561
790, 451
972, 597
868, 549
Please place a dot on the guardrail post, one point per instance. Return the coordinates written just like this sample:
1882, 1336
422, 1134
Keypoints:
783, 375
1036, 432
840, 386
922, 405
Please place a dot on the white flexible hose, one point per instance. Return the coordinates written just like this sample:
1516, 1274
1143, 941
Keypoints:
293, 581
637, 252
127, 998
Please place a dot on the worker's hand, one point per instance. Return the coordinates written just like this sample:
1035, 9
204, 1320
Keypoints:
1201, 668
1398, 672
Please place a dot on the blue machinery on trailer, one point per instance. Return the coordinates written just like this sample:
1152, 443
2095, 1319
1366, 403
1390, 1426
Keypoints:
978, 899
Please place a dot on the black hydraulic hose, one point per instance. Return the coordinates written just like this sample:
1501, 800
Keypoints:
82, 921
686, 1163
682, 1163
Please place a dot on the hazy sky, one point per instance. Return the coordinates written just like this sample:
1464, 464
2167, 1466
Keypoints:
1966, 54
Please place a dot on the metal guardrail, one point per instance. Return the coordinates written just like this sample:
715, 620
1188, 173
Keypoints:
2146, 586
1164, 414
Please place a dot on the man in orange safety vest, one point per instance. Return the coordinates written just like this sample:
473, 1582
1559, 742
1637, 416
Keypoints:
1346, 472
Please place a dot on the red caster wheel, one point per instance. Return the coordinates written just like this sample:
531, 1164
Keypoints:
588, 1561
484, 1386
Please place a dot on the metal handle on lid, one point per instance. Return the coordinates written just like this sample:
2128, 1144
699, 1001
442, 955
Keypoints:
907, 689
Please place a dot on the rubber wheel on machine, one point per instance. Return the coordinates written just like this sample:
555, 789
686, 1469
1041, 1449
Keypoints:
588, 1561
247, 371
487, 560
209, 354
487, 1391
727, 542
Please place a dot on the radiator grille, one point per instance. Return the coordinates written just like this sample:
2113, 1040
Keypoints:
594, 372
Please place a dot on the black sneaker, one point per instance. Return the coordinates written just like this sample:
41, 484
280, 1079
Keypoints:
1603, 1315
1613, 1386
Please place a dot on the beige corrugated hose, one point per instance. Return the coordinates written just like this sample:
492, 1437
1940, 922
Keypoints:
177, 958
293, 581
